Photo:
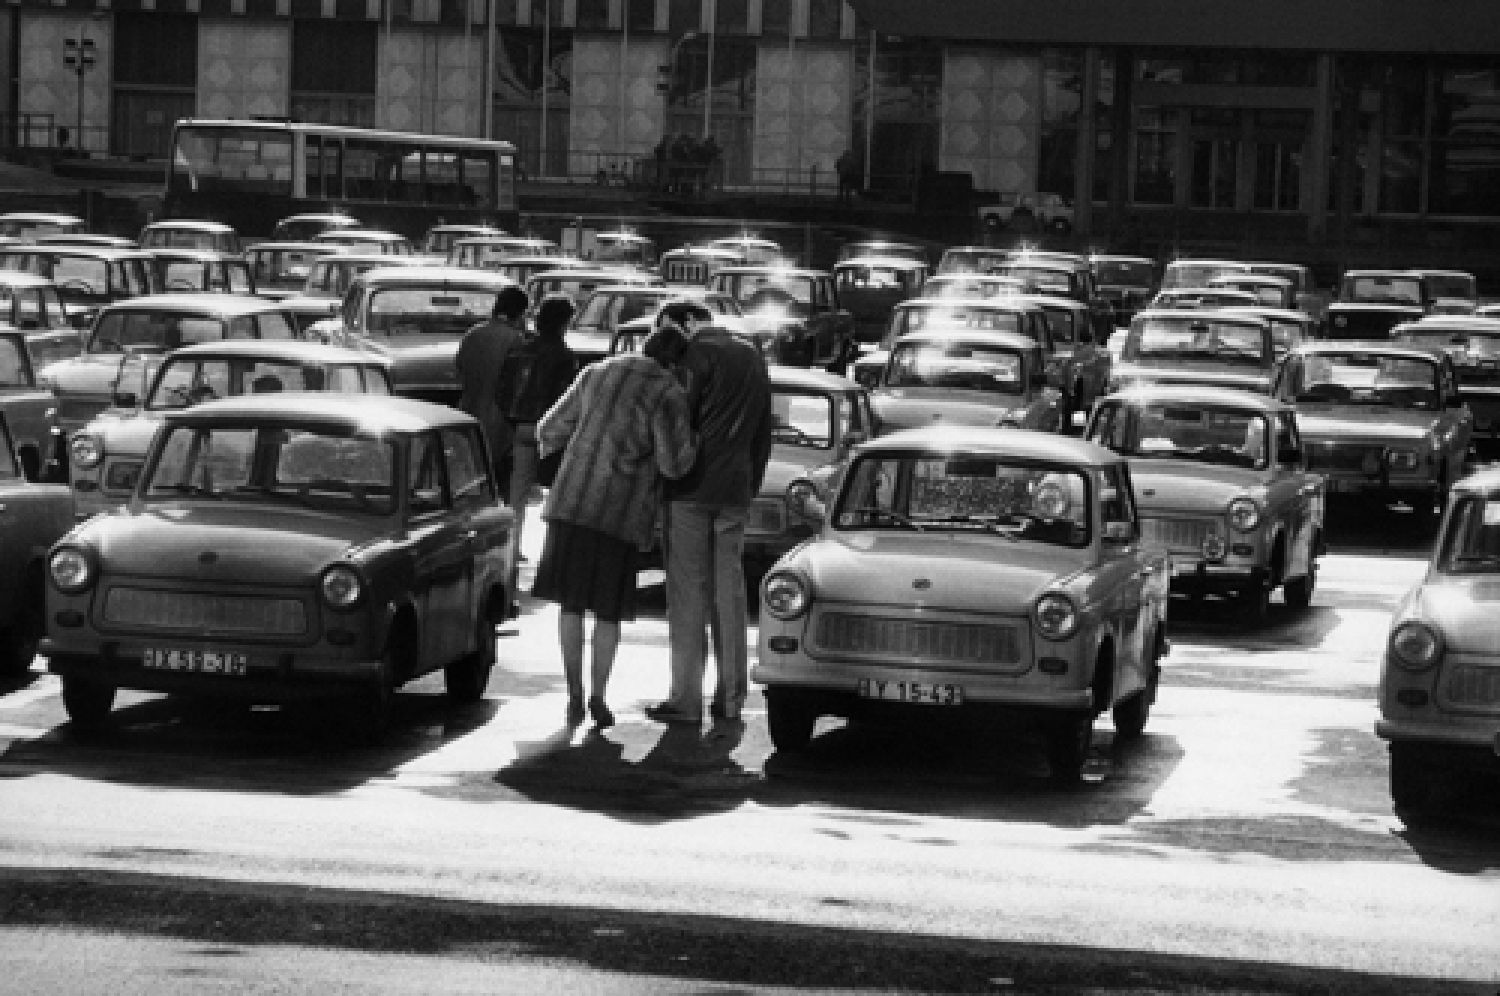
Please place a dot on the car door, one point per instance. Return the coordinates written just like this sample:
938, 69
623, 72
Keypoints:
441, 551
25, 405
1295, 495
1457, 424
487, 526
32, 516
1124, 578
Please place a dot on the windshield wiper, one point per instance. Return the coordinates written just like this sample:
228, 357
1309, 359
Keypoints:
896, 517
990, 524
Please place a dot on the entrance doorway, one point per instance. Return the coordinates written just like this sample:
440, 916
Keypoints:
1242, 159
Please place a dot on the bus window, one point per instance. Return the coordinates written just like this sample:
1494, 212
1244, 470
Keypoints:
478, 183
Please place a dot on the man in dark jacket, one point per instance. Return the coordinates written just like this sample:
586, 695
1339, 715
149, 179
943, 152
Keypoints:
729, 395
480, 355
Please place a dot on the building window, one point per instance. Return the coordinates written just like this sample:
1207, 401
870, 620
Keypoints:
155, 81
593, 15
1156, 154
1062, 105
1466, 141
640, 15
908, 81
334, 69
533, 87
731, 17
776, 18
824, 18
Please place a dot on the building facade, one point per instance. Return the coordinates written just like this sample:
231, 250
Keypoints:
1278, 119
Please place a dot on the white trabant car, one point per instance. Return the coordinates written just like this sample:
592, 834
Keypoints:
992, 573
1440, 676
1222, 483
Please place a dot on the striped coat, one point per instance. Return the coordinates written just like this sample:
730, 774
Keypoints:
625, 424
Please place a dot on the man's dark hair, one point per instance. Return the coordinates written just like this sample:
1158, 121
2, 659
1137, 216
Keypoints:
511, 303
678, 312
666, 345
553, 314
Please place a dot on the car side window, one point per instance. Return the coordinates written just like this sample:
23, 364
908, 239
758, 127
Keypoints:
467, 470
1116, 499
1287, 438
241, 327
426, 481
275, 325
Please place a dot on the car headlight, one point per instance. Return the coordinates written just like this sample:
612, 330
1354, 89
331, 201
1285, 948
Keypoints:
1056, 616
787, 595
1244, 514
85, 450
1416, 646
71, 568
1402, 460
341, 586
1214, 547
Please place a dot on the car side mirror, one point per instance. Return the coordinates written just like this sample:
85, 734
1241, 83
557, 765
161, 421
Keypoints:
1119, 532
855, 436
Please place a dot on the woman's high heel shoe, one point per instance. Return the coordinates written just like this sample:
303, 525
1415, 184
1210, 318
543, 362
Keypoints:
603, 718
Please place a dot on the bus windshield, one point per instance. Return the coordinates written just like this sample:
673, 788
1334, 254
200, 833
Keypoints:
205, 157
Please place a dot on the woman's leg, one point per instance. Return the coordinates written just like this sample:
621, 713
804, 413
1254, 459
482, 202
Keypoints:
570, 638
606, 640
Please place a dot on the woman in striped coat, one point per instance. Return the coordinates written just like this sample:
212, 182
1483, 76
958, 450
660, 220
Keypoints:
625, 425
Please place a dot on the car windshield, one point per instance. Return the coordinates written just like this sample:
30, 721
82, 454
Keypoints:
1198, 433
956, 316
1368, 379
281, 268
1196, 274
760, 290
182, 238
1198, 339
863, 277
154, 331
971, 261
1466, 346
428, 310
1459, 285
1383, 290
802, 418
1044, 279
1472, 542
1124, 273
312, 467
78, 279
923, 492
608, 311
183, 382
956, 365
978, 285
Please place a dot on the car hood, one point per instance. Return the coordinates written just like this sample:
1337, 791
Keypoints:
1383, 423
910, 407
1466, 609
419, 359
128, 436
92, 373
270, 546
1182, 484
1189, 372
955, 572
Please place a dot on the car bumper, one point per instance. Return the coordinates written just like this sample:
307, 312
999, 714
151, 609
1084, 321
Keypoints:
270, 675
1197, 577
840, 685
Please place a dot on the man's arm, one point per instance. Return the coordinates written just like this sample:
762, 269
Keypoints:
556, 427
672, 436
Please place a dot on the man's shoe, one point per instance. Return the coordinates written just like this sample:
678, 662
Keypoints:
576, 711
666, 712
603, 718
719, 710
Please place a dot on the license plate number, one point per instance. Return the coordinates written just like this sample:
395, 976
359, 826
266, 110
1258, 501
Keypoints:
194, 661
918, 692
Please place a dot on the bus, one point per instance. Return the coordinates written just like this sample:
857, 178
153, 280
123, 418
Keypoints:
250, 173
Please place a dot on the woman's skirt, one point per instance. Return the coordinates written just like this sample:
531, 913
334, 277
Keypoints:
584, 570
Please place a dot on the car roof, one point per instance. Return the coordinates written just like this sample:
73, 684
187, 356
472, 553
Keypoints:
801, 377
1369, 345
78, 249
1000, 302
51, 217
1229, 397
1011, 340
1052, 301
278, 245
24, 278
283, 349
1268, 279
335, 216
205, 255
1113, 257
777, 268
995, 441
196, 303
1234, 313
191, 224
903, 262
371, 413
458, 276
1451, 323
1271, 314
602, 274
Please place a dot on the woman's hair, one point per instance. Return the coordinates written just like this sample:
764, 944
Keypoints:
676, 313
553, 314
666, 345
510, 303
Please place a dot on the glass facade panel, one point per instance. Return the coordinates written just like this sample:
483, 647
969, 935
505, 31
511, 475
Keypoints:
1156, 154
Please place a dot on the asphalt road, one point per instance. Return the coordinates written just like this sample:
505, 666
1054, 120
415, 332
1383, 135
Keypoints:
1246, 844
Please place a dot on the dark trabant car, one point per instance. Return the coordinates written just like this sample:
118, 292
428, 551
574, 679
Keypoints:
280, 269
190, 233
87, 277
205, 271
1379, 420
25, 398
1472, 343
288, 547
794, 314
1215, 347
1440, 677
35, 515
1221, 482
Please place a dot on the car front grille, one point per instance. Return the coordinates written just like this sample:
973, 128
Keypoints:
1352, 457
204, 614
686, 273
1177, 535
767, 516
917, 642
1474, 685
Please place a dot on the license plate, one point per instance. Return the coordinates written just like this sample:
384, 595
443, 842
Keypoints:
918, 692
194, 661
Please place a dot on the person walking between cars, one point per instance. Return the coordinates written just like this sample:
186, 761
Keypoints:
729, 393
622, 425
532, 378
481, 354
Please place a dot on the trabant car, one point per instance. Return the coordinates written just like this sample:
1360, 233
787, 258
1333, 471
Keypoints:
31, 302
882, 248
870, 286
1304, 287
35, 516
1080, 362
301, 227
1221, 482
793, 313
1379, 420
280, 268
1029, 212
416, 316
578, 283
1214, 347
130, 337
25, 398
27, 225
1193, 272
1127, 283
190, 233
105, 456
1009, 313
753, 249
484, 251
1439, 690
284, 548
1063, 275
1472, 343
87, 277
622, 249
694, 264
1372, 302
1270, 291
819, 418
328, 279
970, 572
202, 271
968, 378
439, 239
1451, 292
367, 240
1289, 328
971, 259
606, 310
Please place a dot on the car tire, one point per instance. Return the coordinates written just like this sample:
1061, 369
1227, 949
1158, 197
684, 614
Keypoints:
1131, 713
1068, 738
466, 678
366, 715
88, 703
790, 719
1298, 592
1254, 604
19, 640
1412, 784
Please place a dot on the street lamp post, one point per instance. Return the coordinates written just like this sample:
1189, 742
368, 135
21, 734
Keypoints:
78, 55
